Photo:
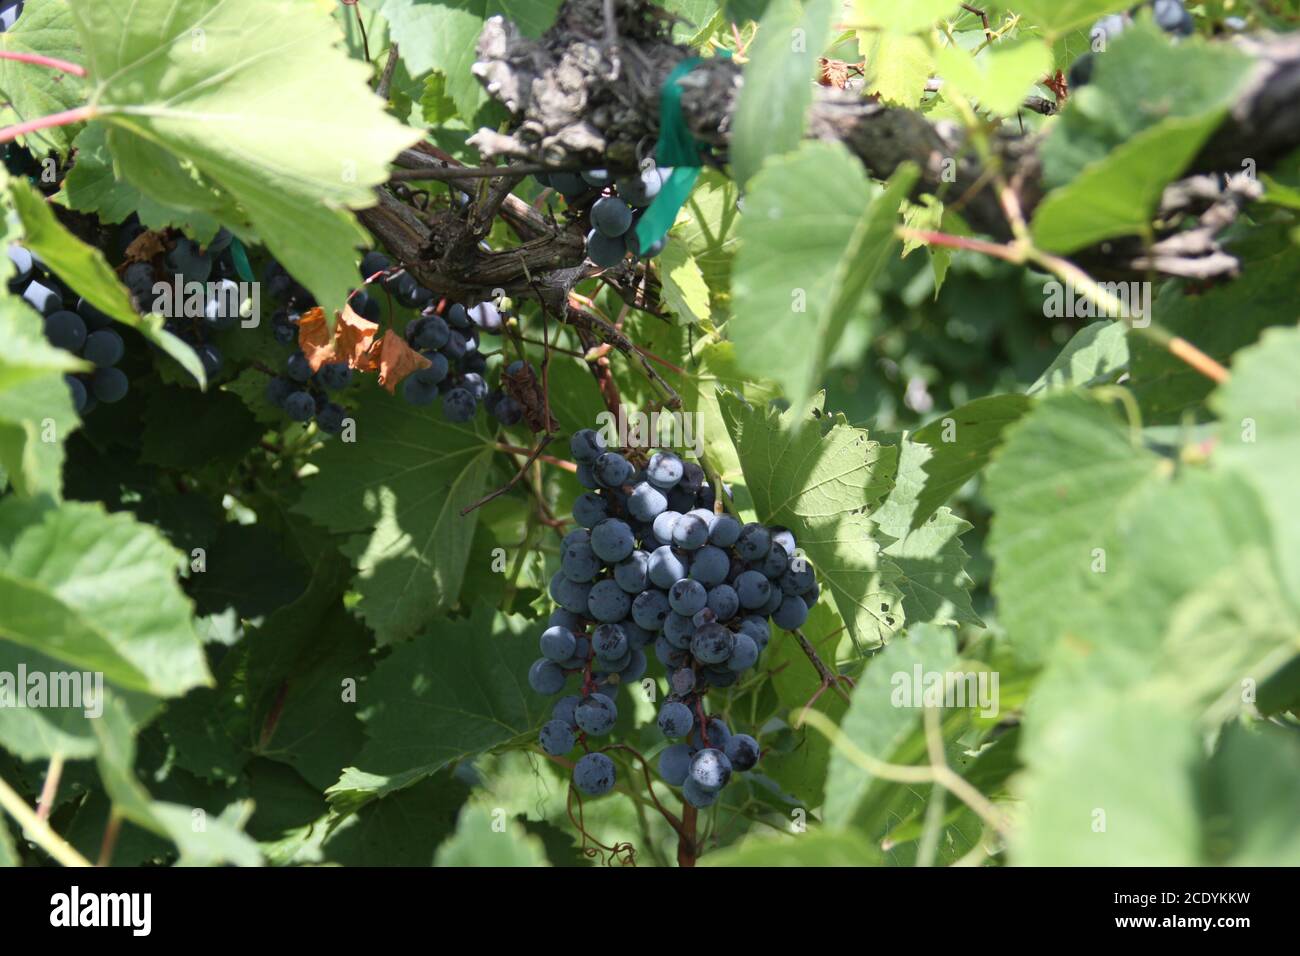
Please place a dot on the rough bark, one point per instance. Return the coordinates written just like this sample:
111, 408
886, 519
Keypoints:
586, 94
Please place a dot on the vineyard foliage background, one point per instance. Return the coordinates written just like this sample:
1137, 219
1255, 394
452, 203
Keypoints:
1102, 517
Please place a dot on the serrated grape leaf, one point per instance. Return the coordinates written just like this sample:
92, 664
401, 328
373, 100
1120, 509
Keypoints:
806, 259
1060, 16
1260, 435
398, 491
290, 131
875, 724
819, 476
480, 840
32, 91
436, 106
926, 560
707, 224
777, 90
899, 66
684, 290
404, 830
218, 840
960, 445
1133, 129
247, 568
93, 186
1066, 480
85, 270
999, 77
36, 413
99, 592
250, 386
1096, 354
443, 35
817, 847
1166, 387
900, 17
460, 689
1116, 195
1114, 789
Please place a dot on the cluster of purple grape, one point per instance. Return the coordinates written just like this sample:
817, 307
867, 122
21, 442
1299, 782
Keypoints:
615, 211
448, 335
652, 564
82, 330
301, 393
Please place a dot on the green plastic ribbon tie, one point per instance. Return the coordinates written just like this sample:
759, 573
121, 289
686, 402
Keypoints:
238, 254
676, 148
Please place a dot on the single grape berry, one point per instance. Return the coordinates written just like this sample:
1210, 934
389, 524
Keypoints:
675, 719
605, 251
611, 216
558, 643
66, 330
675, 764
594, 775
556, 738
710, 769
596, 714
546, 677
109, 385
742, 751
586, 446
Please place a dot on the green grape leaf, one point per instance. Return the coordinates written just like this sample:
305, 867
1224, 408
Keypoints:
1260, 435
899, 67
460, 690
817, 478
685, 292
36, 413
32, 92
404, 830
1150, 106
777, 90
1095, 355
806, 259
292, 133
443, 36
93, 186
84, 268
961, 444
1245, 823
999, 78
480, 840
901, 17
876, 724
397, 492
1115, 789
1058, 17
218, 840
99, 592
820, 847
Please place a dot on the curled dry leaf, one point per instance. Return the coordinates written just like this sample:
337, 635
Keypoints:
351, 342
144, 248
397, 360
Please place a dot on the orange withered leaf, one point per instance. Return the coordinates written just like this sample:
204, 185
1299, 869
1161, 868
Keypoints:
397, 360
353, 339
314, 338
145, 247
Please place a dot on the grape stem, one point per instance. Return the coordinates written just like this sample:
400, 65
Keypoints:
1021, 252
79, 115
532, 456
37, 59
51, 787
829, 678
37, 830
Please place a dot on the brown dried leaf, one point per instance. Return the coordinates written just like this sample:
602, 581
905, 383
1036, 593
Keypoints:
145, 247
353, 339
397, 360
832, 73
314, 338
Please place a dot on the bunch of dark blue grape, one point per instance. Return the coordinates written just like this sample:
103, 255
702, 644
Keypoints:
80, 329
213, 267
301, 393
1170, 15
652, 564
614, 214
449, 338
